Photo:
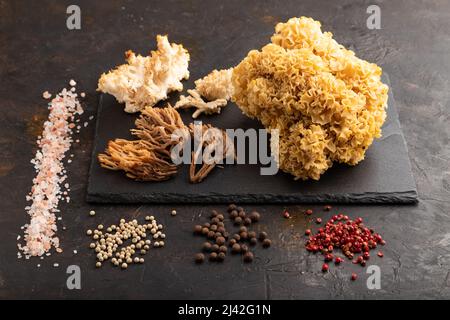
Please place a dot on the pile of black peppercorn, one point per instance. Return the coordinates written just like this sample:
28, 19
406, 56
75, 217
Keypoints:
219, 239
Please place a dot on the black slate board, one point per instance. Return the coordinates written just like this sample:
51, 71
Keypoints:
383, 177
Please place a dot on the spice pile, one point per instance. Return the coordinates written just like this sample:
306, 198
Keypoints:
219, 239
111, 244
49, 186
351, 237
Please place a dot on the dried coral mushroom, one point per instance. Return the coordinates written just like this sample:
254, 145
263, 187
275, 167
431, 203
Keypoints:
144, 81
327, 104
216, 85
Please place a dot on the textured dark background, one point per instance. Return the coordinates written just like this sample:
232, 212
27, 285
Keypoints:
38, 53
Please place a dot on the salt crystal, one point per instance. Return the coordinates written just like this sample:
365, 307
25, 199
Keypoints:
56, 265
72, 83
75, 251
85, 124
83, 94
91, 117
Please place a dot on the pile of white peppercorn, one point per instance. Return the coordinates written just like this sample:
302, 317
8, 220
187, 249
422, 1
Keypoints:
110, 245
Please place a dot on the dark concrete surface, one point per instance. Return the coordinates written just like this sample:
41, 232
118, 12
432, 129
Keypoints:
38, 53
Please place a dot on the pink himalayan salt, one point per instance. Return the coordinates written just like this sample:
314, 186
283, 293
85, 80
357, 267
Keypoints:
40, 233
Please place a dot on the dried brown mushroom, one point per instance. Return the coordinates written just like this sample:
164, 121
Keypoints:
149, 157
212, 139
138, 159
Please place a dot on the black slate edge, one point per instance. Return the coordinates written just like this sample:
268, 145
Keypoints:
409, 197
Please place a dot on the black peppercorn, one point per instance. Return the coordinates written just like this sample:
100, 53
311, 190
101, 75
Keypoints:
231, 207
213, 228
244, 248
262, 236
237, 221
232, 242
255, 216
215, 248
234, 214
198, 229
220, 241
207, 246
248, 257
205, 231
215, 220
212, 256
252, 234
243, 229
253, 241
199, 258
267, 243
223, 249
247, 221
239, 209
244, 235
221, 256
211, 234
242, 214
214, 213
236, 248
236, 237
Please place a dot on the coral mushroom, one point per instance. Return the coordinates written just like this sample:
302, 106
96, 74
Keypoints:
327, 104
144, 81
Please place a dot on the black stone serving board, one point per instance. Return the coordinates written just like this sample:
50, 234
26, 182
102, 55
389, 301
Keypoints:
383, 177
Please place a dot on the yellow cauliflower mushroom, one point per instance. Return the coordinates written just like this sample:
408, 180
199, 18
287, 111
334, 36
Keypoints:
327, 104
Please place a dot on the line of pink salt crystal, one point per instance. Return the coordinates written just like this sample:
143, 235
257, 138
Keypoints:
56, 139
